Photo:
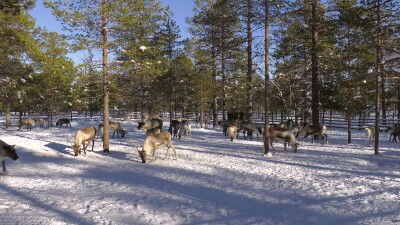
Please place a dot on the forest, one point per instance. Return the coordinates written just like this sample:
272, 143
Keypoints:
294, 58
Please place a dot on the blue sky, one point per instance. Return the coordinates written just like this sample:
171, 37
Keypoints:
180, 8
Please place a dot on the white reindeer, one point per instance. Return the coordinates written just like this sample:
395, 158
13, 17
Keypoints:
154, 142
370, 134
232, 131
184, 128
82, 136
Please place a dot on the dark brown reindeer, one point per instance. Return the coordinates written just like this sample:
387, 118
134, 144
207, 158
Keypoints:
7, 150
82, 136
395, 132
63, 121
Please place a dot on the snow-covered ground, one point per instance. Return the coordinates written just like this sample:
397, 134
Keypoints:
214, 181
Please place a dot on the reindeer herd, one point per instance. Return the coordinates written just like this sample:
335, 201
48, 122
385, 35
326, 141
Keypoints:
155, 138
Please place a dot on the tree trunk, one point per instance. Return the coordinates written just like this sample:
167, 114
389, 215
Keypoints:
266, 94
378, 75
8, 115
249, 82
315, 65
106, 130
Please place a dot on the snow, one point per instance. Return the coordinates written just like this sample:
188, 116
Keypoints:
214, 181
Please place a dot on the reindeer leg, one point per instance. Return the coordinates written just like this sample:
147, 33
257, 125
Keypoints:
166, 154
92, 144
4, 166
270, 143
173, 148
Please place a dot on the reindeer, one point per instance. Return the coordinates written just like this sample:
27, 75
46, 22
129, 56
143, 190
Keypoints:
184, 128
152, 123
44, 122
227, 123
312, 130
7, 150
82, 136
282, 133
174, 127
153, 142
152, 131
28, 122
115, 126
232, 131
369, 133
395, 133
206, 121
63, 121
250, 127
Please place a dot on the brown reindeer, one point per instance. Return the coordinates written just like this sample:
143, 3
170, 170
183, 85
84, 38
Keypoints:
7, 150
115, 126
28, 122
312, 130
282, 133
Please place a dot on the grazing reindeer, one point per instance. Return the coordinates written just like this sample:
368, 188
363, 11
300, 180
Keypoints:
115, 126
282, 133
250, 127
63, 121
28, 122
82, 136
232, 131
43, 122
312, 130
185, 128
153, 142
369, 133
153, 123
7, 151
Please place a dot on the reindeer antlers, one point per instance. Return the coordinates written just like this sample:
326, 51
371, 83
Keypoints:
68, 139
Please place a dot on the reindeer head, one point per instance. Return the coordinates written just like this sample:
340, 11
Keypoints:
77, 149
10, 152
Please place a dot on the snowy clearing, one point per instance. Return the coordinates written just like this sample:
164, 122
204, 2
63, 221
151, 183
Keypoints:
215, 181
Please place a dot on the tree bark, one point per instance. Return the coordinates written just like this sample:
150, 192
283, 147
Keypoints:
249, 82
266, 94
106, 130
315, 65
378, 76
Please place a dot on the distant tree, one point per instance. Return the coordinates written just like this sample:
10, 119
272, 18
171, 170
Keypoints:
55, 72
17, 49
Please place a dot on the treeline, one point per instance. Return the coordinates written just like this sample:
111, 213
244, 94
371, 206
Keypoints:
323, 57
